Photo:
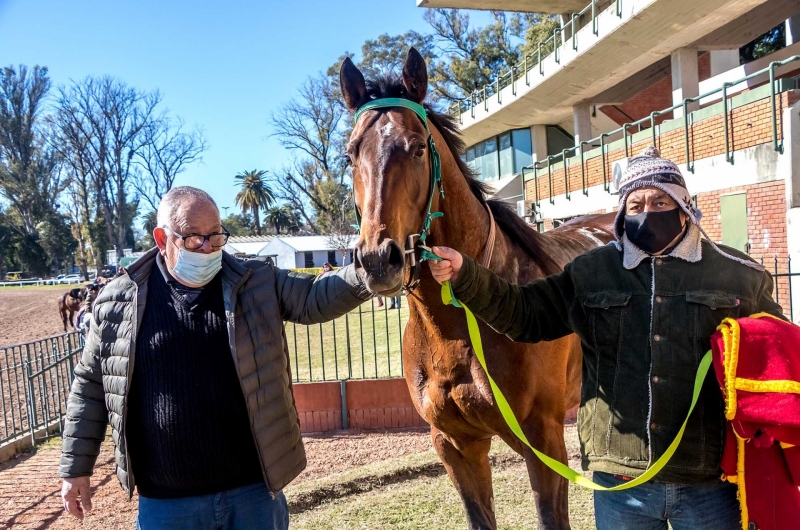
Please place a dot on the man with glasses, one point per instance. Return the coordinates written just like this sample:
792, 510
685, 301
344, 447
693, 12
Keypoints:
187, 359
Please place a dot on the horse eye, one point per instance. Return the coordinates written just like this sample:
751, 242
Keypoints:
419, 152
348, 160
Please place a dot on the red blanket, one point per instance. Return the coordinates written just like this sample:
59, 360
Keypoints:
757, 362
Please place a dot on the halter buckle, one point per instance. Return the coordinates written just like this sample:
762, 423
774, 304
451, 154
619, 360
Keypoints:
411, 250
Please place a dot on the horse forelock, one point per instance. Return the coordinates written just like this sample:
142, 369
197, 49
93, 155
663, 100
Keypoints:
519, 232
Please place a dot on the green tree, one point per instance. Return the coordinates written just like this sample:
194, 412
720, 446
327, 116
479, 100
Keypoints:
255, 195
55, 238
239, 225
278, 217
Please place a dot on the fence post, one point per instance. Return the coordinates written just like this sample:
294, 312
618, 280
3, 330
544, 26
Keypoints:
343, 386
31, 399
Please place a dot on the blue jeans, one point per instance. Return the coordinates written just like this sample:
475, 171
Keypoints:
651, 505
250, 507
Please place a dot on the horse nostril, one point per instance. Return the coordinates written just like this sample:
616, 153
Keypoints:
395, 254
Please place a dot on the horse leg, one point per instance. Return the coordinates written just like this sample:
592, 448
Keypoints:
550, 490
467, 464
71, 319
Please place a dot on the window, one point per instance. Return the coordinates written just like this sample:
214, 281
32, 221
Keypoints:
332, 258
558, 139
733, 210
309, 263
521, 140
506, 155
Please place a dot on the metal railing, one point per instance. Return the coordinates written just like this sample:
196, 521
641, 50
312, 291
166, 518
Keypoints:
784, 277
522, 69
35, 378
366, 343
625, 132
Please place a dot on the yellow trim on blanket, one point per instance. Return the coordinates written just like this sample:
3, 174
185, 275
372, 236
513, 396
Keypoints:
741, 482
783, 386
784, 445
730, 358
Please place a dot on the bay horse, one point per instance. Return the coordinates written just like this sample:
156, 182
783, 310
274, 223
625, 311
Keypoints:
391, 166
70, 303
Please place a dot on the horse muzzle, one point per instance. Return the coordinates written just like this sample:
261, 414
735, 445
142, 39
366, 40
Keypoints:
381, 267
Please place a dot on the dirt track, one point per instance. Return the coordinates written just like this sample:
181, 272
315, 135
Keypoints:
28, 314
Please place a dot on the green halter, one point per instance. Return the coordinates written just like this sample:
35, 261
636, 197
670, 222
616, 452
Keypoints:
436, 174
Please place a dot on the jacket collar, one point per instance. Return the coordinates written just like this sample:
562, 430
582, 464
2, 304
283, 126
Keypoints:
690, 249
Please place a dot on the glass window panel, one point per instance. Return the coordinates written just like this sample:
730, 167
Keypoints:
506, 156
521, 139
490, 167
470, 154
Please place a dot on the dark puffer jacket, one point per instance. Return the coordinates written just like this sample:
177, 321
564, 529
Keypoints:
258, 298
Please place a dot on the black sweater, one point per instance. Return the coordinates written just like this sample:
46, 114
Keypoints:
188, 427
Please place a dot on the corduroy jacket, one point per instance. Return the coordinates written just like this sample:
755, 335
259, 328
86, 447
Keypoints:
258, 299
643, 329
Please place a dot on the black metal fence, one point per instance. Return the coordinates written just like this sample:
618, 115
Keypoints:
364, 344
34, 383
787, 285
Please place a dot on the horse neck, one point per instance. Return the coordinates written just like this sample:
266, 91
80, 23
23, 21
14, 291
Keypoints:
464, 227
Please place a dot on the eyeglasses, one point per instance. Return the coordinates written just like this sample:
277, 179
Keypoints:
196, 241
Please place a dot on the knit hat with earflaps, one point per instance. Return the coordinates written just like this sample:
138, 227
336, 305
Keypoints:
649, 170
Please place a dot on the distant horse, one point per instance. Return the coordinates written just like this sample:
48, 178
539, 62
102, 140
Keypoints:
70, 303
389, 154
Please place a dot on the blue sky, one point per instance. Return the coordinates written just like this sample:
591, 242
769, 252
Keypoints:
223, 66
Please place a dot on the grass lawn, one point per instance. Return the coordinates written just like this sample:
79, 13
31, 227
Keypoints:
365, 343
413, 492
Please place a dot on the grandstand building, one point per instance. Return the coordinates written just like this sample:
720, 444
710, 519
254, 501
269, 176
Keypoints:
619, 75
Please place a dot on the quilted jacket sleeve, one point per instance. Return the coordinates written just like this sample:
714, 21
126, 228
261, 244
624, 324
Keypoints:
308, 299
87, 417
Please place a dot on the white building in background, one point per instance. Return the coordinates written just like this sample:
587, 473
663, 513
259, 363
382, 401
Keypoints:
297, 252
247, 245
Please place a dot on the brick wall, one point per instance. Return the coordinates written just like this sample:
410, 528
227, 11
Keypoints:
371, 404
766, 227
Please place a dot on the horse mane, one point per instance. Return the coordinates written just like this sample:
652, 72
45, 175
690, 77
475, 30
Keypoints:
529, 240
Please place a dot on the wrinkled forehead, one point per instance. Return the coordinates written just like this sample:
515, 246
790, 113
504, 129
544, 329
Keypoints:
195, 216
389, 122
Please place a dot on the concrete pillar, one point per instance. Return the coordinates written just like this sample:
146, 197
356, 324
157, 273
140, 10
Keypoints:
582, 122
723, 60
793, 30
685, 80
538, 142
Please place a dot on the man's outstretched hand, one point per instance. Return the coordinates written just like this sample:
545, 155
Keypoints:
76, 495
448, 268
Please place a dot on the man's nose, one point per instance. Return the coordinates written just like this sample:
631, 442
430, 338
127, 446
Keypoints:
206, 248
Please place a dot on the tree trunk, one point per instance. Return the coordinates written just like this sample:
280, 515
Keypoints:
256, 222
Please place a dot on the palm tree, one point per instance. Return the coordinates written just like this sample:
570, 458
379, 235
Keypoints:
254, 196
279, 217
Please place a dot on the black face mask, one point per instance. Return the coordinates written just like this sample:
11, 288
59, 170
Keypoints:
653, 231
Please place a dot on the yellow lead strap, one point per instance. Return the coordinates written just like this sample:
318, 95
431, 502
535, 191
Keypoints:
565, 471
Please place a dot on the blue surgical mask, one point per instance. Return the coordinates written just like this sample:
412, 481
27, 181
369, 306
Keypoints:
197, 268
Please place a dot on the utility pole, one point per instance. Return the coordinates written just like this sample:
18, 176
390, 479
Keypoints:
226, 211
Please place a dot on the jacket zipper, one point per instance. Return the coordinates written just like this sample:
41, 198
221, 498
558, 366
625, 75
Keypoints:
230, 317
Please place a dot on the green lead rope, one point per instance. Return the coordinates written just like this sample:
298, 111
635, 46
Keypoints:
448, 297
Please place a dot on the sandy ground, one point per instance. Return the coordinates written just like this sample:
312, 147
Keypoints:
28, 314
30, 487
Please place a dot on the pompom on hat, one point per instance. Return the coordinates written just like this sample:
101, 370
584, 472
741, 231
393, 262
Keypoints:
649, 170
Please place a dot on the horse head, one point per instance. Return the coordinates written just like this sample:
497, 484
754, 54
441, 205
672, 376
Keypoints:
389, 155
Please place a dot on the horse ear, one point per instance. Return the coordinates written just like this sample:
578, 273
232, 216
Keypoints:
415, 76
351, 81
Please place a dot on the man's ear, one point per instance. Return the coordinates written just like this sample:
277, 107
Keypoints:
160, 237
